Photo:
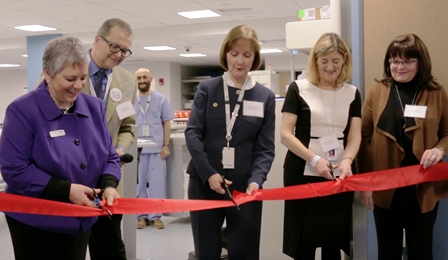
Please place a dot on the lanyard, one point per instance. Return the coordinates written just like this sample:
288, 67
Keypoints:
146, 108
401, 104
230, 119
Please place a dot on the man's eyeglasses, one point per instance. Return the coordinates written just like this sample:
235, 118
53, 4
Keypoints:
405, 63
114, 48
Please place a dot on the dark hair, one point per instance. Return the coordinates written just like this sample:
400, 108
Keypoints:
240, 32
409, 46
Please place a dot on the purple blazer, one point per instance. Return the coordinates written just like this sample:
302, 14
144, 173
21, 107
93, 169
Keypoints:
38, 142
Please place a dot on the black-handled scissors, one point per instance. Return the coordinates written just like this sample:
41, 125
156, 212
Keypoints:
98, 204
226, 187
330, 167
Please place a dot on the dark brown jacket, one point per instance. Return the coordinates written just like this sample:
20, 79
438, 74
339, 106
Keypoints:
380, 150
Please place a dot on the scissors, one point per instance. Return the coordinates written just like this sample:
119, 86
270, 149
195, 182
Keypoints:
330, 167
98, 204
226, 187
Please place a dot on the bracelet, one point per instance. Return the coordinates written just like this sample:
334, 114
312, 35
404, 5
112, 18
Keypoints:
347, 157
166, 145
314, 160
441, 149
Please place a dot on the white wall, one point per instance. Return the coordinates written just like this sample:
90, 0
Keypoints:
13, 84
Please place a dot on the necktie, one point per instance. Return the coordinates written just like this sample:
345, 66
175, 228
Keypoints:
99, 84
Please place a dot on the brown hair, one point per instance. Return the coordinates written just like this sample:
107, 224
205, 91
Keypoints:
107, 26
408, 46
240, 32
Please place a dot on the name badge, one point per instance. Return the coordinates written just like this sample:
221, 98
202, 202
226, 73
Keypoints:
228, 157
145, 131
57, 133
329, 142
415, 111
252, 108
125, 109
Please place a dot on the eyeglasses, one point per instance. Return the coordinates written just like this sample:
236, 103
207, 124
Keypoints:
405, 63
114, 48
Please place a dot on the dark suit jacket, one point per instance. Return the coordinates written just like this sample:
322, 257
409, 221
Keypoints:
253, 137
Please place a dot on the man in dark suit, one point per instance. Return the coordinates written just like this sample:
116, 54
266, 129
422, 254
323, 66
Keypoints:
116, 87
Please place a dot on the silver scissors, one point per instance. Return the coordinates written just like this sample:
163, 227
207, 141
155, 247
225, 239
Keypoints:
98, 204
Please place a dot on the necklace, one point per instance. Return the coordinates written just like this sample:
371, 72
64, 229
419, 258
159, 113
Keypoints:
401, 104
64, 110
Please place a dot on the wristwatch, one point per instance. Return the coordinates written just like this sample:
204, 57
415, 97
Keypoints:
166, 145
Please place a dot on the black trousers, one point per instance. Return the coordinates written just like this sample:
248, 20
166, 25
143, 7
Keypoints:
404, 213
105, 241
243, 226
32, 243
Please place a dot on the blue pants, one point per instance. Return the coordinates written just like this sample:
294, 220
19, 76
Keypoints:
151, 171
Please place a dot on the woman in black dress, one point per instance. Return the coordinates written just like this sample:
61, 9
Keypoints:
321, 127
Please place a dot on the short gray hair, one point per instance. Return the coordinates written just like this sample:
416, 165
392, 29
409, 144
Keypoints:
63, 52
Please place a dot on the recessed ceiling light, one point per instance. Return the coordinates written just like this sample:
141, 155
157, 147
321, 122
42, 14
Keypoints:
25, 55
270, 51
35, 28
9, 65
192, 55
199, 14
159, 48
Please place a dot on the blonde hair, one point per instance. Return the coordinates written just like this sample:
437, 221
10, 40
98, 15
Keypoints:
327, 43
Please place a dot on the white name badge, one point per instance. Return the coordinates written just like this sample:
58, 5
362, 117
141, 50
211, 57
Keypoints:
415, 111
329, 142
253, 108
145, 131
115, 95
125, 109
228, 158
57, 133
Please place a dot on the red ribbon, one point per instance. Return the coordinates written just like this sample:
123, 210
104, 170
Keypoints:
373, 181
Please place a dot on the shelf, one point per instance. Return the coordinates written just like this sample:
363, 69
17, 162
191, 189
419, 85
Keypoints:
195, 79
191, 80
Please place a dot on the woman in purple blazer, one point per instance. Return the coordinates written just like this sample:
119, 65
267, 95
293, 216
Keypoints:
55, 145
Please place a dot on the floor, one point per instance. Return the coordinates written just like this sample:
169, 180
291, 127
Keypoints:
174, 242
171, 243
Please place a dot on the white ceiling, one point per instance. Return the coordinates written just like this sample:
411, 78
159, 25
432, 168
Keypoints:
155, 22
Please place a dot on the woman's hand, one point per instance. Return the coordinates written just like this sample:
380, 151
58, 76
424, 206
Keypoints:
345, 168
110, 194
215, 181
82, 195
430, 157
322, 167
366, 198
251, 188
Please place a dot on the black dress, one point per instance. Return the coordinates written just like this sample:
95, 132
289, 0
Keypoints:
323, 221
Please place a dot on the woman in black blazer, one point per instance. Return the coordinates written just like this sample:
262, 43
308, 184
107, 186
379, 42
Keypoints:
230, 136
